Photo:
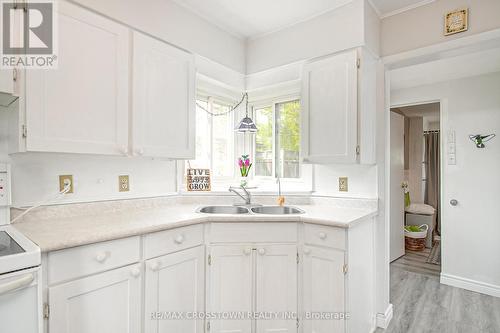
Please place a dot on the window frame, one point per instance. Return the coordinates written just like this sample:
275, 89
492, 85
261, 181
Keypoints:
273, 102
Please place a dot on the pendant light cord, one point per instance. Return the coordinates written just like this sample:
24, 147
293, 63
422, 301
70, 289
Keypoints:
245, 96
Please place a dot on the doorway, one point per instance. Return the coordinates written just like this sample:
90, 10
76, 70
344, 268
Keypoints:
415, 162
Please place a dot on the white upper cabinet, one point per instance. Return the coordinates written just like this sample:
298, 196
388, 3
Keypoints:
329, 109
175, 283
82, 106
108, 302
163, 116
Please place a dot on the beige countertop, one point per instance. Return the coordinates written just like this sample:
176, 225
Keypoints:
56, 232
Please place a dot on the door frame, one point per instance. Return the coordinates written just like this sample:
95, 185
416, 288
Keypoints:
443, 123
448, 49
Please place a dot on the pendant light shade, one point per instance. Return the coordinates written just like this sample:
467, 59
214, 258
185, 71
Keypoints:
246, 125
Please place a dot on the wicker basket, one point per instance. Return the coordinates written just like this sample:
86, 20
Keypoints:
415, 241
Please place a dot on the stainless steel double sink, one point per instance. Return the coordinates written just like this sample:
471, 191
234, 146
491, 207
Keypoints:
270, 210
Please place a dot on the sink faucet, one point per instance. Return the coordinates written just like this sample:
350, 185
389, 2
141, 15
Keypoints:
247, 197
281, 199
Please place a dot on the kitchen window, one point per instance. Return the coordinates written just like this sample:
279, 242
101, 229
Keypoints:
214, 139
274, 149
277, 143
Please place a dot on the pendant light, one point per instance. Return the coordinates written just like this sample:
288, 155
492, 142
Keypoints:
246, 125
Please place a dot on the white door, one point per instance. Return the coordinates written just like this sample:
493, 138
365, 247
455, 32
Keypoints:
323, 289
109, 302
164, 100
397, 210
276, 287
82, 106
329, 109
230, 287
175, 283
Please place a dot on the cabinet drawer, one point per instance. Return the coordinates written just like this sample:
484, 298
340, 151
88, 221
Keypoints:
263, 232
164, 242
324, 236
89, 259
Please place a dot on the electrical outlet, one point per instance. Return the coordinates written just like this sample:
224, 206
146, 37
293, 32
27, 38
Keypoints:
343, 184
123, 183
63, 181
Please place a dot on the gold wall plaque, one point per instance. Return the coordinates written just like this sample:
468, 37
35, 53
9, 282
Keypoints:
456, 21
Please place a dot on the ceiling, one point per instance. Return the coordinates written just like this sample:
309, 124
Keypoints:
248, 19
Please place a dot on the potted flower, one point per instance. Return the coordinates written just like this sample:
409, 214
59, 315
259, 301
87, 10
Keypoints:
244, 165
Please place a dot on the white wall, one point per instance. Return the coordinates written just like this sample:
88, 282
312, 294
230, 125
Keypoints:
362, 180
173, 23
415, 147
331, 32
471, 230
424, 26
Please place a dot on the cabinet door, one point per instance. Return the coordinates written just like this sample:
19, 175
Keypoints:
7, 81
82, 106
163, 119
276, 287
230, 285
329, 110
109, 302
323, 290
175, 283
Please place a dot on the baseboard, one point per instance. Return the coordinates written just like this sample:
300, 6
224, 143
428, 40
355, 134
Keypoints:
383, 319
472, 285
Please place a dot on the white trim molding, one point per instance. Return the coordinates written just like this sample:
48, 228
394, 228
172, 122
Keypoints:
383, 319
405, 9
469, 284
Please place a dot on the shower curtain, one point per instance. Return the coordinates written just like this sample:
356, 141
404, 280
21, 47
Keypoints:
432, 172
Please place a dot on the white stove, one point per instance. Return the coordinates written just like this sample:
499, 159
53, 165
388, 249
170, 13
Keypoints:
20, 277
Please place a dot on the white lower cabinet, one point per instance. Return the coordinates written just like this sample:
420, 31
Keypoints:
230, 279
175, 286
258, 279
217, 278
323, 293
108, 302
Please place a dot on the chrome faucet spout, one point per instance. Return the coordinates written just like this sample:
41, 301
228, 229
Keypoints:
247, 197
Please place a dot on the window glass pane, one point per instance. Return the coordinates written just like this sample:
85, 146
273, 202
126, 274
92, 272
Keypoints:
289, 139
203, 149
264, 142
223, 139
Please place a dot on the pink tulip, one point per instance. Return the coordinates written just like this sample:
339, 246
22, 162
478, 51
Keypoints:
247, 162
240, 162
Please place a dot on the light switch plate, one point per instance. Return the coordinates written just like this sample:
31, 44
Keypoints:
123, 183
343, 184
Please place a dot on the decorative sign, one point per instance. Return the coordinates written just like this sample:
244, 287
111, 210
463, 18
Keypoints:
456, 21
198, 180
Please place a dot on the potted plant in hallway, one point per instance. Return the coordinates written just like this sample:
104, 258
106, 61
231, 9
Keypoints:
415, 237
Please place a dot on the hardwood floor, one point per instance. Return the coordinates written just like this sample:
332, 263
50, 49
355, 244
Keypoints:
423, 305
415, 262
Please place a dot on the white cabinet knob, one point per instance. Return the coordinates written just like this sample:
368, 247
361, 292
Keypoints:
247, 251
179, 239
262, 251
154, 266
101, 257
322, 235
135, 272
139, 151
307, 251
